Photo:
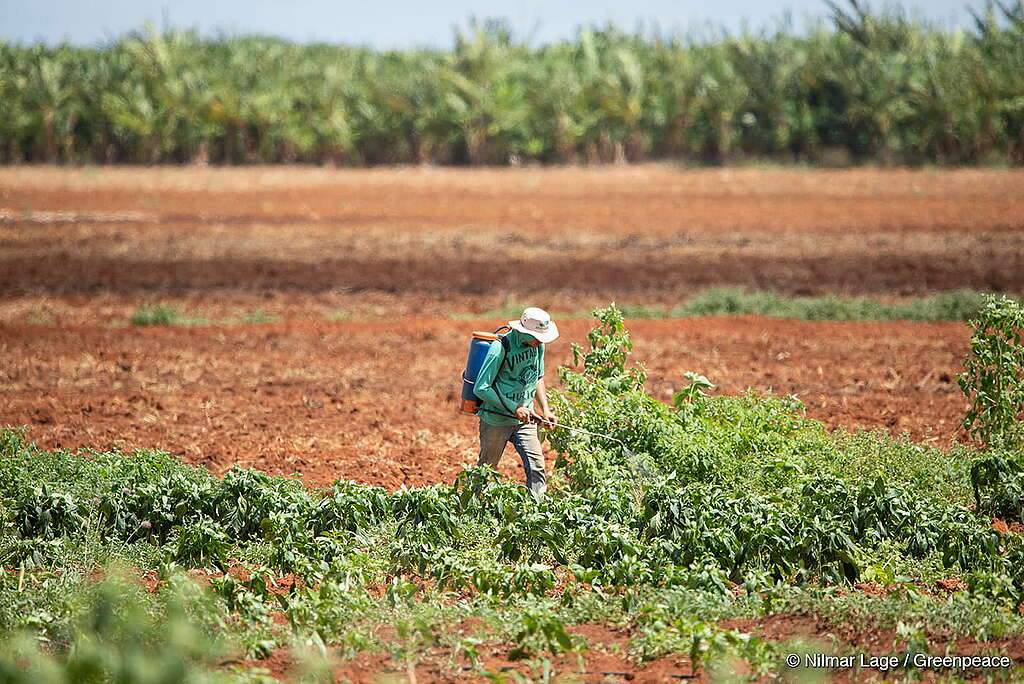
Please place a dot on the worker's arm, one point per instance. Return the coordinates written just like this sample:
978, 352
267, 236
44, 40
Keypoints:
542, 399
484, 387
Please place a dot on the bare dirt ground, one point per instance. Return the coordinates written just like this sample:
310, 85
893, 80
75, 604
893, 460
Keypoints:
646, 233
376, 401
365, 270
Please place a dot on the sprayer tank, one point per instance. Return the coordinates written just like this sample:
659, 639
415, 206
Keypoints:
478, 348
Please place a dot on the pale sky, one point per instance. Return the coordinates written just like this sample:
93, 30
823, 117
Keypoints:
408, 23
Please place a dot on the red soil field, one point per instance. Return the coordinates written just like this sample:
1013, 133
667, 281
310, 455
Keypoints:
367, 269
376, 401
644, 233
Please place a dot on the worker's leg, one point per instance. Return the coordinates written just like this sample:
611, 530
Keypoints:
527, 442
493, 439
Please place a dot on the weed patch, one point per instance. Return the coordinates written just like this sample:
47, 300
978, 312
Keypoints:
156, 314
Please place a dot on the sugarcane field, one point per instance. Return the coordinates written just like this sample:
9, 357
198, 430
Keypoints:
340, 391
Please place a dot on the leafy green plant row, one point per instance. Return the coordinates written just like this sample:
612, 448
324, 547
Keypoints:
955, 305
695, 530
863, 87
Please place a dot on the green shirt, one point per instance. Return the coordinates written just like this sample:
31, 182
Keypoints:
517, 381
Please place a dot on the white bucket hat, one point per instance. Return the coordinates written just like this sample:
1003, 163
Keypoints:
537, 323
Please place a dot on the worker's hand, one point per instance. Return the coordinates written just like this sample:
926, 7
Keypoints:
546, 418
524, 414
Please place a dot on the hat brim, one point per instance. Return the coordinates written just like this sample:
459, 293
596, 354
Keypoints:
543, 337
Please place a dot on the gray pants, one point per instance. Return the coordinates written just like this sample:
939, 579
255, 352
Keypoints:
524, 438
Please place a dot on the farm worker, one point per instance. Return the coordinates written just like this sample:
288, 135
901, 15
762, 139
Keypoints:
507, 385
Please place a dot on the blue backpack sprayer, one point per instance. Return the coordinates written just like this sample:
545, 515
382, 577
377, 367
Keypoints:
479, 344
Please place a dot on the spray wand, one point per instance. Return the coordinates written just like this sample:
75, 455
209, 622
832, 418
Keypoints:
553, 425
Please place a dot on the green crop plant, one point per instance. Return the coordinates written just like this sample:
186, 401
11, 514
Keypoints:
46, 515
542, 632
202, 543
998, 483
609, 347
993, 377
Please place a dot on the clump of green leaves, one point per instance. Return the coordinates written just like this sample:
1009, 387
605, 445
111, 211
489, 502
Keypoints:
998, 483
696, 388
993, 377
610, 346
156, 314
542, 632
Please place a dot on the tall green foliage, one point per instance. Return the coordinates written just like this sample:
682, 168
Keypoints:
993, 377
865, 86
610, 346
